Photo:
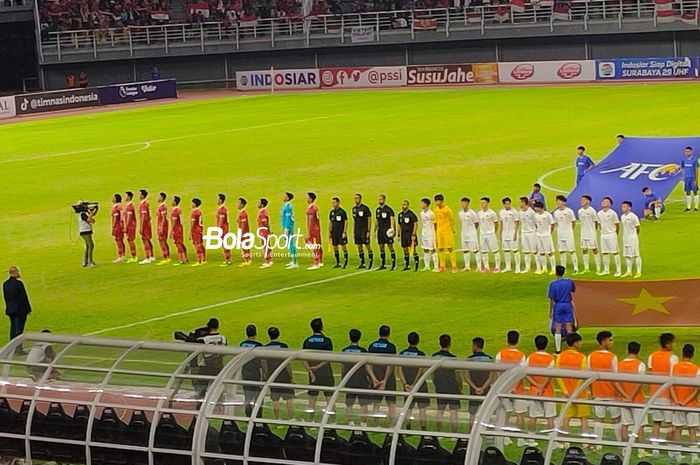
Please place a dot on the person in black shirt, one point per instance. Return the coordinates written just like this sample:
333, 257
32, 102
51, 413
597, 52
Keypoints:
386, 379
409, 376
408, 226
447, 381
385, 220
251, 371
320, 374
363, 378
338, 231
284, 377
362, 219
479, 381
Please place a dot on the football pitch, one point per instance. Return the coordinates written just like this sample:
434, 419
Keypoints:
405, 144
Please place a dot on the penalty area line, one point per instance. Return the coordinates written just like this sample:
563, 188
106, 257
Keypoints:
226, 302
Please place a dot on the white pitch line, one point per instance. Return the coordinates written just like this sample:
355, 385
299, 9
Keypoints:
541, 179
226, 302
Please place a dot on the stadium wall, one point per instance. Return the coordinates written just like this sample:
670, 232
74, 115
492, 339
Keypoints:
222, 67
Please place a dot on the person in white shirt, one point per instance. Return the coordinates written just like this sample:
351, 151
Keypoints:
488, 230
510, 226
609, 229
565, 220
469, 221
545, 246
528, 232
427, 235
589, 233
630, 239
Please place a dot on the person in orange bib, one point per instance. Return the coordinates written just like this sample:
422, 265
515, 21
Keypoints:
686, 396
541, 386
513, 356
602, 359
632, 393
661, 363
573, 359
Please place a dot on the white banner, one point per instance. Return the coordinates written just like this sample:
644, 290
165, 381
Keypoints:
547, 71
283, 79
362, 76
7, 107
359, 34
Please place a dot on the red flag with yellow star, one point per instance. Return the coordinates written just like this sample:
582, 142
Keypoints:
638, 303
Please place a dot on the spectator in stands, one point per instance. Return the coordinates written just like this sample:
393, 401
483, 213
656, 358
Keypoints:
70, 80
17, 305
83, 80
41, 352
479, 381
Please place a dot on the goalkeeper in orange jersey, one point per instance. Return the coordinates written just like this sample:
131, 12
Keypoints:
445, 229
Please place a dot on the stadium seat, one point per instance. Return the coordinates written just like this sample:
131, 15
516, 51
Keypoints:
532, 456
493, 456
170, 435
575, 456
109, 429
136, 434
430, 451
362, 450
610, 459
264, 443
231, 441
643, 463
459, 452
11, 422
299, 445
405, 452
334, 448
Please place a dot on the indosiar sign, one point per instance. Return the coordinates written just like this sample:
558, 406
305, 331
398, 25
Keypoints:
647, 68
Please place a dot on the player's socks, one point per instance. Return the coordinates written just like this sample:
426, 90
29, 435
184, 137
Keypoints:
485, 261
688, 202
696, 201
606, 263
586, 261
453, 260
528, 261
596, 258
477, 256
441, 259
574, 262
467, 260
628, 265
426, 259
557, 342
371, 259
362, 259
539, 263
508, 259
562, 259
497, 260
393, 260
436, 260
639, 265
517, 261
416, 261
382, 256
552, 262
657, 211
345, 259
406, 261
337, 258
618, 265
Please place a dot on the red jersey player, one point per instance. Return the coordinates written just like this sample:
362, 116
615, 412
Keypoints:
313, 224
162, 228
130, 225
264, 232
222, 222
197, 232
244, 226
146, 230
118, 226
178, 233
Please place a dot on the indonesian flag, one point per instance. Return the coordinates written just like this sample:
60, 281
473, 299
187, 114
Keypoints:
561, 10
425, 24
473, 17
663, 5
502, 13
160, 15
691, 18
517, 6
546, 3
665, 16
200, 8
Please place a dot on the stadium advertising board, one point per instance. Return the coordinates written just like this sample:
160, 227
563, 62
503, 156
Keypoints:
7, 107
546, 71
359, 34
647, 68
283, 79
137, 91
54, 101
377, 76
436, 75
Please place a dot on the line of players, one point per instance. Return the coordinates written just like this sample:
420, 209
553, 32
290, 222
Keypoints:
526, 231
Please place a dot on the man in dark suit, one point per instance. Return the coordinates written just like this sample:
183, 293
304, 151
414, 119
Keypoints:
17, 305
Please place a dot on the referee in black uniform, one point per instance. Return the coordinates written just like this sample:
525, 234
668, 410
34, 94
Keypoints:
362, 219
338, 231
320, 374
384, 374
385, 220
408, 227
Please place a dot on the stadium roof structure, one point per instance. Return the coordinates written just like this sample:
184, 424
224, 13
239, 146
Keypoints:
117, 401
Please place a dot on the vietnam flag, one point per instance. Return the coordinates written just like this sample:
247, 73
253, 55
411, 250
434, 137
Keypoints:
638, 303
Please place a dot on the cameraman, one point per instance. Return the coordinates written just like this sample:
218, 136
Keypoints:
209, 364
85, 222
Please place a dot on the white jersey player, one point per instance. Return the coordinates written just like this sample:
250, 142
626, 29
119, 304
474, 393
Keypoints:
528, 232
630, 239
488, 229
469, 222
510, 227
427, 235
545, 246
588, 218
565, 219
609, 228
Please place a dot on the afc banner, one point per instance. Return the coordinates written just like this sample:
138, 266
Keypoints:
547, 71
58, 100
283, 79
363, 76
137, 91
636, 163
647, 68
451, 75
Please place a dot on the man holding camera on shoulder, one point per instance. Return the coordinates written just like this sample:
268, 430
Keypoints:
206, 364
86, 218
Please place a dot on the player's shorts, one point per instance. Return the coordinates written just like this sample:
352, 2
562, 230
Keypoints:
197, 238
118, 235
689, 185
545, 245
407, 239
178, 238
421, 402
563, 314
146, 232
589, 244
579, 178
578, 411
631, 251
649, 209
361, 237
664, 416
608, 244
509, 245
361, 399
281, 393
600, 411
389, 398
163, 235
539, 409
687, 419
382, 238
629, 416
470, 244
130, 234
529, 242
517, 406
337, 238
445, 241
326, 381
427, 241
488, 243
566, 245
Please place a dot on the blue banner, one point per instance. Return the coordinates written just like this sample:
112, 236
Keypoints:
647, 68
137, 91
636, 163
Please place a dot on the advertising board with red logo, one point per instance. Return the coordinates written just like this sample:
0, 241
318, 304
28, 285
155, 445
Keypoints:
546, 71
376, 76
452, 75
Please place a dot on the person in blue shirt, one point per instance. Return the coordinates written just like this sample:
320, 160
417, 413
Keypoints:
284, 376
653, 205
363, 378
447, 381
288, 229
479, 381
537, 196
561, 305
410, 375
251, 371
583, 163
320, 373
384, 374
689, 165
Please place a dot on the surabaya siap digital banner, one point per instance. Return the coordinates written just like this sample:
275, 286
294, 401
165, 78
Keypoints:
647, 68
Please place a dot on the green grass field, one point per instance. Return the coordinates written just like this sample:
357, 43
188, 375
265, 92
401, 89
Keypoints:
406, 144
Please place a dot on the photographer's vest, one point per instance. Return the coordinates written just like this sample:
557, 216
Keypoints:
83, 225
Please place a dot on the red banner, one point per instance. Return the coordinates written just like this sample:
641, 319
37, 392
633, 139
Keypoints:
638, 303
